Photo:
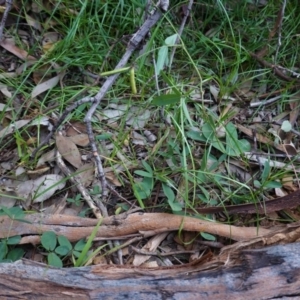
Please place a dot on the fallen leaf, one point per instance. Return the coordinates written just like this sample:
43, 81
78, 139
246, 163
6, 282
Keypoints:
40, 189
68, 150
86, 174
12, 127
150, 246
81, 139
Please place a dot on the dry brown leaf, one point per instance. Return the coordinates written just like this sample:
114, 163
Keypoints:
151, 246
260, 138
68, 150
75, 128
86, 174
46, 157
33, 22
112, 178
45, 86
10, 47
81, 139
288, 183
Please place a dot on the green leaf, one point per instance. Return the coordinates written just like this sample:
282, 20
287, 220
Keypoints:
168, 192
235, 147
147, 167
3, 250
62, 250
104, 136
80, 245
166, 99
209, 133
15, 254
208, 236
244, 146
143, 188
257, 184
143, 173
14, 240
54, 260
175, 206
76, 253
48, 240
205, 193
171, 40
162, 58
138, 193
272, 185
63, 241
266, 172
196, 135
88, 245
170, 82
13, 212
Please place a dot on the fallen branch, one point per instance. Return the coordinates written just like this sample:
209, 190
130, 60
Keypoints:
76, 228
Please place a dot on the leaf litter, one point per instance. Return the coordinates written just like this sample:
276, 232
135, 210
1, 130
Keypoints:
180, 149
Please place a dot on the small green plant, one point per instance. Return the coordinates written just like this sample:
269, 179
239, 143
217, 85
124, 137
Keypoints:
76, 200
8, 251
60, 248
15, 213
143, 189
266, 182
231, 145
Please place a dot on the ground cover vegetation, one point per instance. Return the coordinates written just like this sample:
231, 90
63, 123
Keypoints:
201, 123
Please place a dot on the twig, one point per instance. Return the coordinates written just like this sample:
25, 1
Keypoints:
279, 26
4, 17
265, 102
277, 69
186, 14
143, 252
76, 181
60, 121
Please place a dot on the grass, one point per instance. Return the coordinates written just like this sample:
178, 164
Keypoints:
192, 165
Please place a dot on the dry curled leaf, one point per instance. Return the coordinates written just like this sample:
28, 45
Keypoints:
68, 150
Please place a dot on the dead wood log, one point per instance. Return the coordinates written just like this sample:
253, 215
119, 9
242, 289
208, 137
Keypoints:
266, 273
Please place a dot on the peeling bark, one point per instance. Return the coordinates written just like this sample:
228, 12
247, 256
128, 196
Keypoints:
257, 274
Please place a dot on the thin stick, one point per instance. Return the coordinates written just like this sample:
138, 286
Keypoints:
76, 181
281, 14
4, 17
186, 14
